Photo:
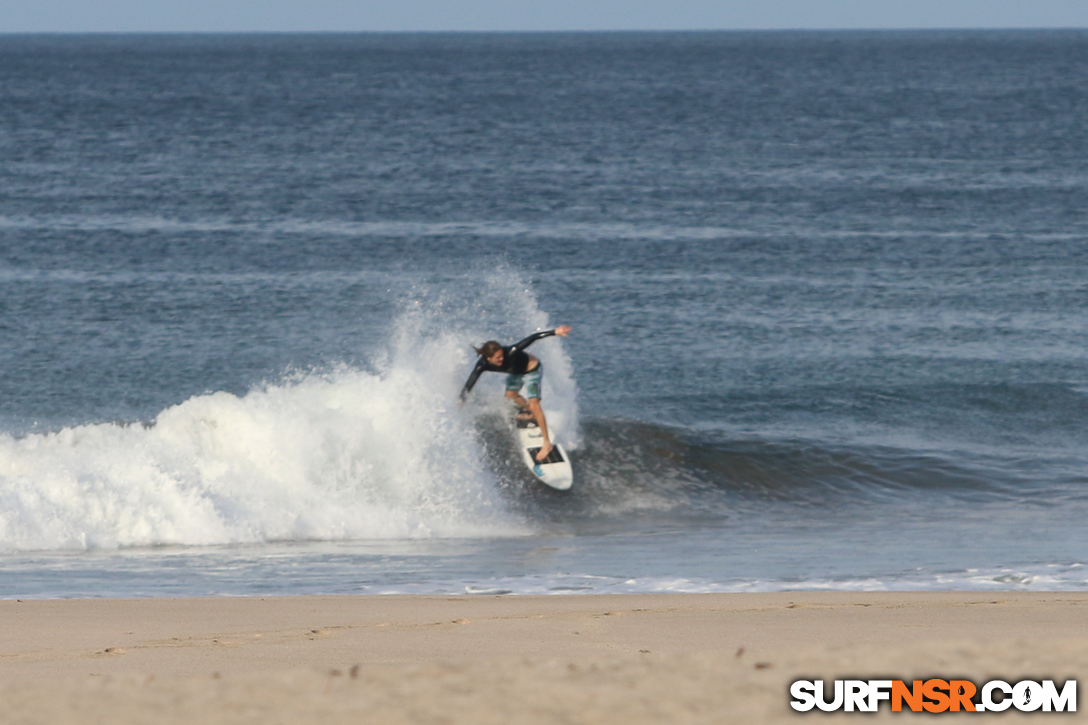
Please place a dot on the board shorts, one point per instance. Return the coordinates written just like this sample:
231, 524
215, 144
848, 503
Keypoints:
531, 380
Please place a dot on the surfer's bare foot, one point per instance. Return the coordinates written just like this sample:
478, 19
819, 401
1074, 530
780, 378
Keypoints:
544, 452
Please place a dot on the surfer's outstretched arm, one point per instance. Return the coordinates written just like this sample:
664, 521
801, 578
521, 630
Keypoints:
562, 331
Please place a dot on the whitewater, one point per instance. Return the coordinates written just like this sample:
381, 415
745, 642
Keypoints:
343, 454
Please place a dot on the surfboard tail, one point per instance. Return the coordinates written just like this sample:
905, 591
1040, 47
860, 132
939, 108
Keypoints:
555, 470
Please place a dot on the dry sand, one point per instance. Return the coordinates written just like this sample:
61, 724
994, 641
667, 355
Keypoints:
715, 658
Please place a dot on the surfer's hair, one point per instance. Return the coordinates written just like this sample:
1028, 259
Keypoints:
488, 349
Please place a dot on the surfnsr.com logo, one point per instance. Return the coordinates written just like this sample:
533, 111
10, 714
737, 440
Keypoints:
934, 695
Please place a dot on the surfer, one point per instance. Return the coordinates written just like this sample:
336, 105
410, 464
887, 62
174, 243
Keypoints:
522, 369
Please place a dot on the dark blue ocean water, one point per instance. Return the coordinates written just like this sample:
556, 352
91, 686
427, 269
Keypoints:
828, 293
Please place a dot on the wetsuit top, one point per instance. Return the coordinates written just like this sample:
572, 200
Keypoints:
515, 361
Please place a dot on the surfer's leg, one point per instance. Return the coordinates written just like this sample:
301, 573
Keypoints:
541, 421
513, 391
534, 379
516, 399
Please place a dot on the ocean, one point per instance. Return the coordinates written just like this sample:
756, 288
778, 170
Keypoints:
828, 292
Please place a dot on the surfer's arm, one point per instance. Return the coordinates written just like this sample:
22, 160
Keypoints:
472, 378
562, 331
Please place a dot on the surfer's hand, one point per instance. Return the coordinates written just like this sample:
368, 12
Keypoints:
562, 330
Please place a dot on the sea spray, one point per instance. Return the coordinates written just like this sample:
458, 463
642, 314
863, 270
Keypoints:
348, 453
495, 301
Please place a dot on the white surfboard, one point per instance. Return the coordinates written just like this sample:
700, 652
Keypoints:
555, 471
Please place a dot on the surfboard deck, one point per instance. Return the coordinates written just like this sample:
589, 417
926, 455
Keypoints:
555, 471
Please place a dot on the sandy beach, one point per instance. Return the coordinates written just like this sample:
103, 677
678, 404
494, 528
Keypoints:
559, 659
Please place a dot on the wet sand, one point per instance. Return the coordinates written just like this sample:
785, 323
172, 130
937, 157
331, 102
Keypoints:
715, 658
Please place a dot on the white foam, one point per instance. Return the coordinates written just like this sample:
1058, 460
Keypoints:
1057, 578
348, 454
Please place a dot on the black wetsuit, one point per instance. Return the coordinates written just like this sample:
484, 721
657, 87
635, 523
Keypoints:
515, 361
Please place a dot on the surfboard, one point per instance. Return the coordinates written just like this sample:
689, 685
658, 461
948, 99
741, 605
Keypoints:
555, 470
